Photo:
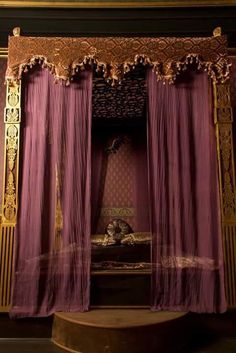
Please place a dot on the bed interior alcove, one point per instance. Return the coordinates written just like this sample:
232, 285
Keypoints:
120, 216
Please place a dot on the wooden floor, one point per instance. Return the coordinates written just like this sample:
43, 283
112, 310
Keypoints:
224, 345
39, 345
44, 345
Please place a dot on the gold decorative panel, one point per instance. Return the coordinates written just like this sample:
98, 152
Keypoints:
117, 212
12, 119
224, 135
12, 140
3, 66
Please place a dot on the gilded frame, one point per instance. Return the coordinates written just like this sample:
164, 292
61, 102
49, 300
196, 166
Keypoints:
10, 189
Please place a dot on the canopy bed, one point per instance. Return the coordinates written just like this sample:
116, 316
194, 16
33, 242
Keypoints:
182, 198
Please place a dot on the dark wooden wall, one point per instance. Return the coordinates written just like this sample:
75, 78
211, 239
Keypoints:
133, 22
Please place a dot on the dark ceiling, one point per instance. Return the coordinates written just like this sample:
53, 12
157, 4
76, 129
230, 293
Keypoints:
131, 22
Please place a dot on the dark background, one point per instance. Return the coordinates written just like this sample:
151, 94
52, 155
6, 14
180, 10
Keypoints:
170, 21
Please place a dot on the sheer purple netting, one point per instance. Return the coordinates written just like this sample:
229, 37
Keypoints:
52, 254
187, 273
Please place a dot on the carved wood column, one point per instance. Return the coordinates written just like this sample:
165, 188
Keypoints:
12, 118
223, 120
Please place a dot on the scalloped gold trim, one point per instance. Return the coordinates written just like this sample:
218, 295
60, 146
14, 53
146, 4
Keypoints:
218, 72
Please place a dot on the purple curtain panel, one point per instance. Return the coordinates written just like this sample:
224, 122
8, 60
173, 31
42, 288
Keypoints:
56, 161
187, 263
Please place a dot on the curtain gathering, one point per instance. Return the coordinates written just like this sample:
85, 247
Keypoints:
52, 257
187, 258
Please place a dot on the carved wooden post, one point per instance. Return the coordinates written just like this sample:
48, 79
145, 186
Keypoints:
12, 118
223, 121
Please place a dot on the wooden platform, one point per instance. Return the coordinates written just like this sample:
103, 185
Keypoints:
121, 331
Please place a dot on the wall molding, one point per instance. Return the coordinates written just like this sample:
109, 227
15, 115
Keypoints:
116, 4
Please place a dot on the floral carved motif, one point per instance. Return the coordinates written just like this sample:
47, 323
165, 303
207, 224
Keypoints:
114, 56
12, 115
10, 198
13, 98
12, 145
10, 189
12, 110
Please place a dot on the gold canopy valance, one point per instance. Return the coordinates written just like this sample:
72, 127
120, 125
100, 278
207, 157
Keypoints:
115, 56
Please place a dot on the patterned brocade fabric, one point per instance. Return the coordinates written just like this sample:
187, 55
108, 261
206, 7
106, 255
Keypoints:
114, 56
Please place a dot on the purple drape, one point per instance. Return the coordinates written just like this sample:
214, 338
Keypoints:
52, 266
184, 197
